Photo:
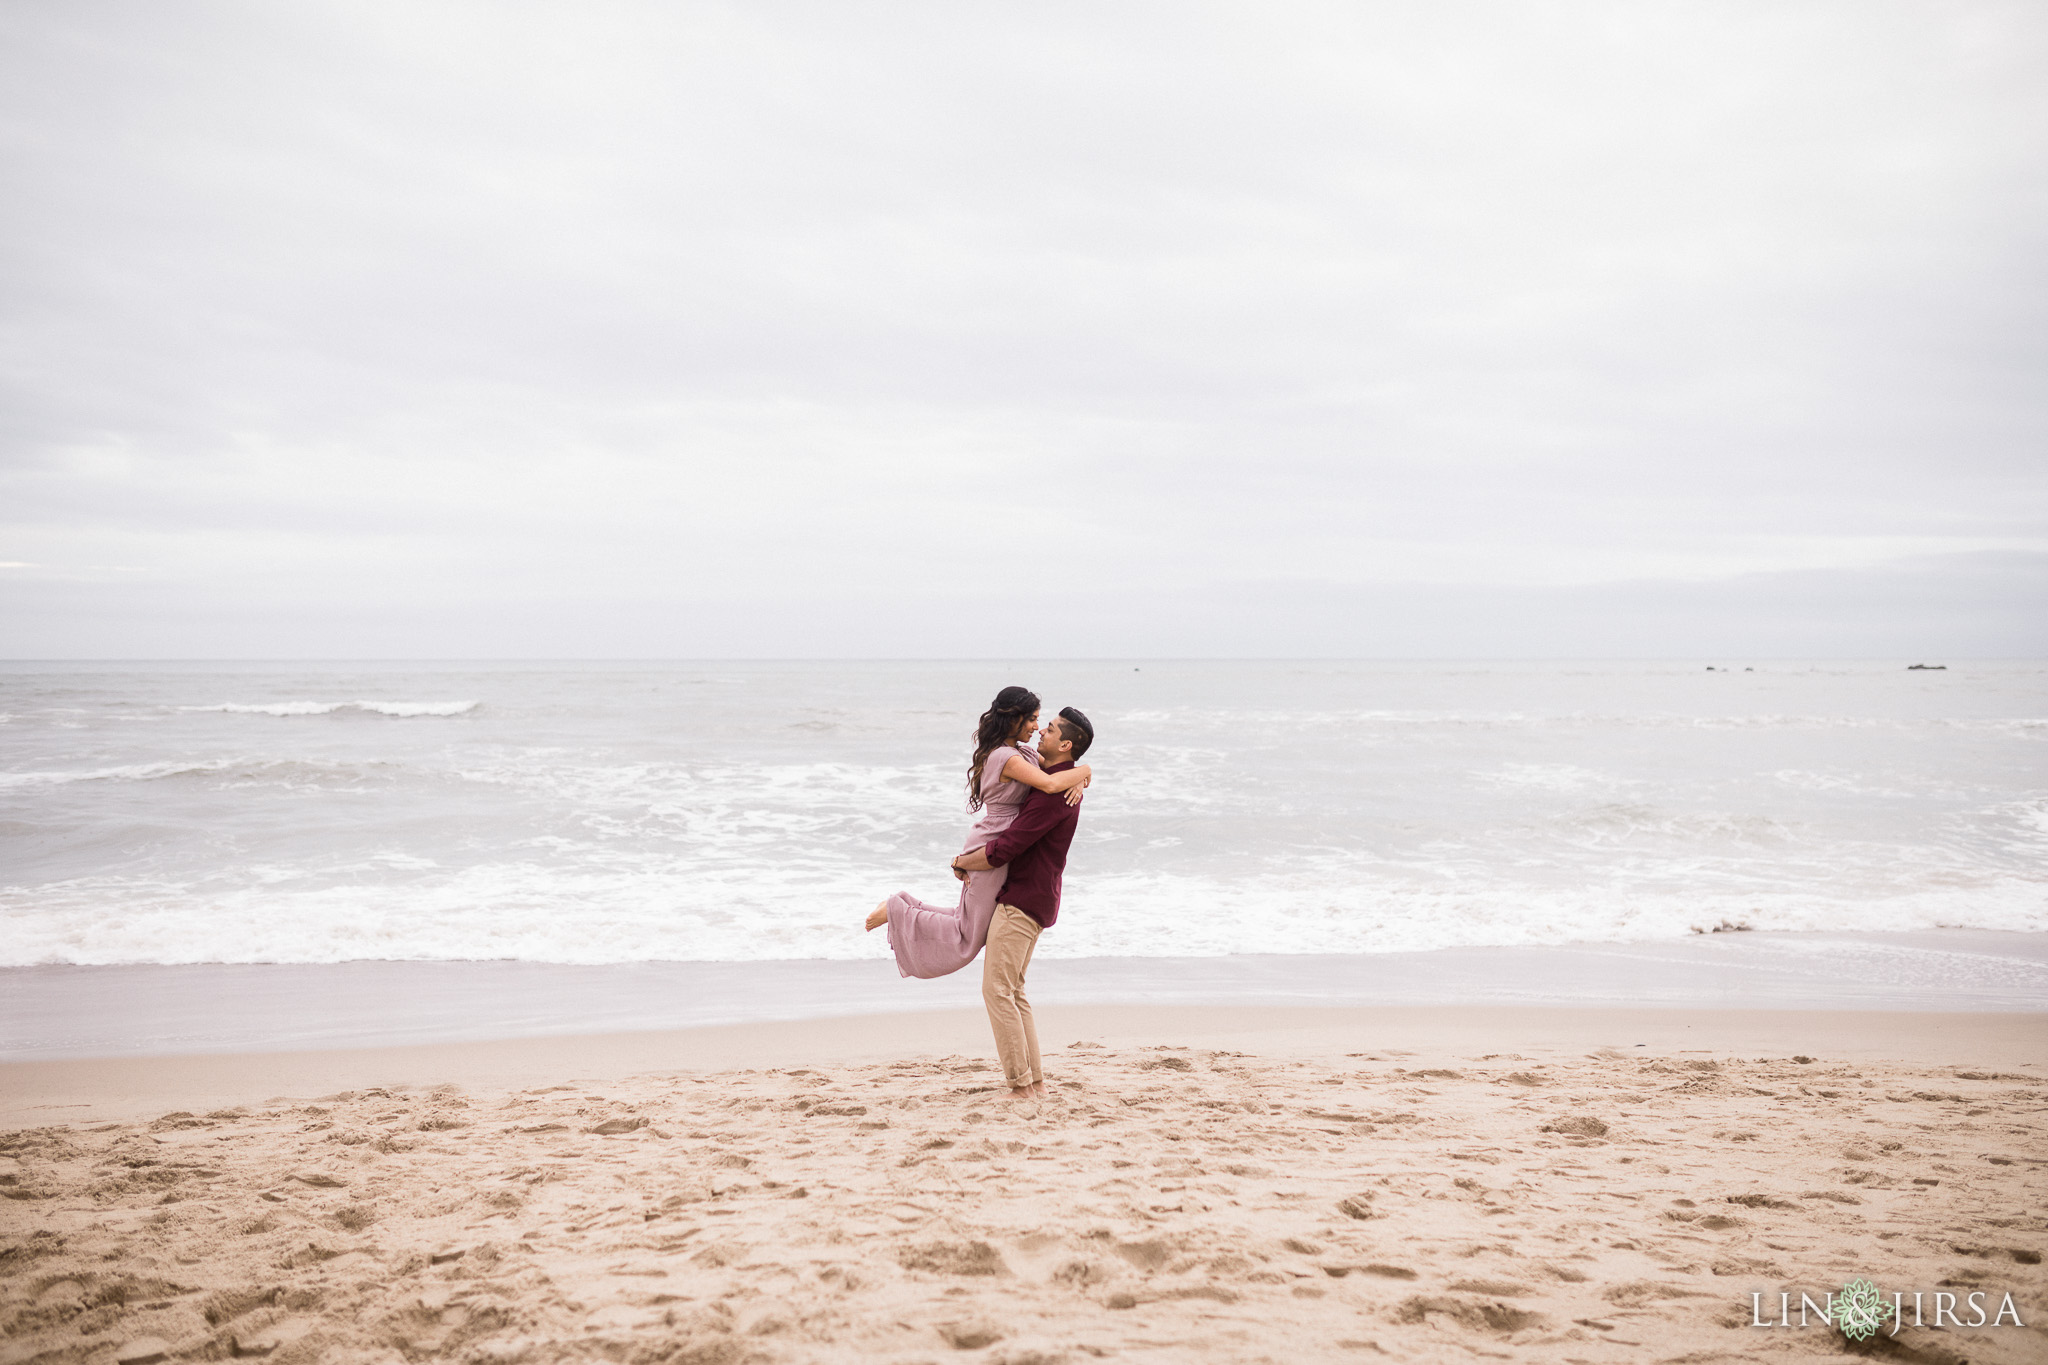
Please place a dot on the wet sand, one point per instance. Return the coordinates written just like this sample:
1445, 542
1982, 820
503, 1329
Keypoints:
100, 1011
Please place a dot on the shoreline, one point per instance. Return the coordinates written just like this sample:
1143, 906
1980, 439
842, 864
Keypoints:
60, 1012
108, 1089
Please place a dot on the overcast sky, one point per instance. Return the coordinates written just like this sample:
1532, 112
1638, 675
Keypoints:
589, 330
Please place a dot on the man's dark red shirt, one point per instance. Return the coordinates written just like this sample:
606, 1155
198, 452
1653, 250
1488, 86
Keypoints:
1034, 848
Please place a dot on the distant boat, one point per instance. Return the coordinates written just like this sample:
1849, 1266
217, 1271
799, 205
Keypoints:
1931, 668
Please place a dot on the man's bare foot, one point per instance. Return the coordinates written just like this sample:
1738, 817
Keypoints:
878, 916
1022, 1092
1038, 1090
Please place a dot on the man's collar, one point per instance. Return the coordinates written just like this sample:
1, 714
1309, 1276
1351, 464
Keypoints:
1061, 767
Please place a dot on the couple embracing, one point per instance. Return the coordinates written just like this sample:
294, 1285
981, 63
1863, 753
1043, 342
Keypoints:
1027, 801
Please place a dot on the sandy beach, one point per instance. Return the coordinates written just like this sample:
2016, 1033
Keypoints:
1200, 1185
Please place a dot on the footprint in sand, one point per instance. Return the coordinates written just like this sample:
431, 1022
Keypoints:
952, 1258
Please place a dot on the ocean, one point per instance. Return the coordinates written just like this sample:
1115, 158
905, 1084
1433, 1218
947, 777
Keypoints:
750, 811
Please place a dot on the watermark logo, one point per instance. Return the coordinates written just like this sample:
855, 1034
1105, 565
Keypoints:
1859, 1310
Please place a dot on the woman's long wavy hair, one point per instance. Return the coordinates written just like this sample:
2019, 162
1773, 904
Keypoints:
997, 727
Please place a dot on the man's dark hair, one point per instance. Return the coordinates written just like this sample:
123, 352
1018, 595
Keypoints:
1075, 726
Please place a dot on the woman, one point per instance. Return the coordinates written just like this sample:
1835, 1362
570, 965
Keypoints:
933, 940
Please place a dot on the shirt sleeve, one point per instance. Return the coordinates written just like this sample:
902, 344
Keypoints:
1041, 812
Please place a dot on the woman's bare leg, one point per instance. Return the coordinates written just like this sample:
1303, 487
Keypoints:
878, 916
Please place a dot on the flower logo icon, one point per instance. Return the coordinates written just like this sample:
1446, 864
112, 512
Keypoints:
1859, 1309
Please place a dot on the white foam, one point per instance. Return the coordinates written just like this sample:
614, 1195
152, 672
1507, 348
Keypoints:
127, 772
535, 911
403, 709
1836, 782
281, 708
1554, 777
620, 817
230, 771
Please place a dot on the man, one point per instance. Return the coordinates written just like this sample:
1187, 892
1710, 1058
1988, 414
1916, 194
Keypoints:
1034, 848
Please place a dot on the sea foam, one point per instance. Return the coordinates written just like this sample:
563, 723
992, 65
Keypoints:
748, 812
402, 709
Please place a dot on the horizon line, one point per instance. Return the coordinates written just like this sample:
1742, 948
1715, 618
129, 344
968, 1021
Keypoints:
1924, 660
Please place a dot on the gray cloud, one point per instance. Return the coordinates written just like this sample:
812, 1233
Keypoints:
637, 330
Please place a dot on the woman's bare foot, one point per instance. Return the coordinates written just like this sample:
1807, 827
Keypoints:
878, 916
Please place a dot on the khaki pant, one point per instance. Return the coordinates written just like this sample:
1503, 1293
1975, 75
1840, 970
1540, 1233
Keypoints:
1011, 937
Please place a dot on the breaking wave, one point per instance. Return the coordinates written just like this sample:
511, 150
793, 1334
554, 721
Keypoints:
400, 709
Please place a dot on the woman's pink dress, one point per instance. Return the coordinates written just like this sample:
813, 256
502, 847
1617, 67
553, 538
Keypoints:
934, 940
